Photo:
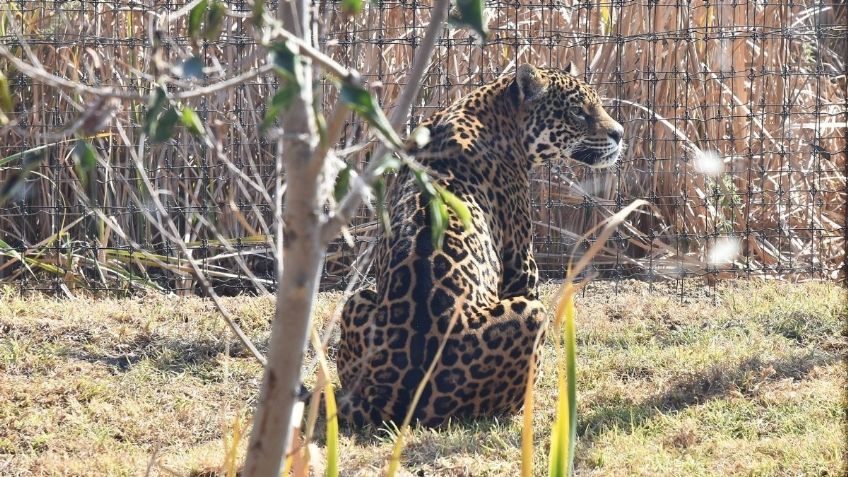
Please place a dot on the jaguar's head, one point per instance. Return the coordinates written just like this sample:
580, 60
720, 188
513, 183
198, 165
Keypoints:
563, 117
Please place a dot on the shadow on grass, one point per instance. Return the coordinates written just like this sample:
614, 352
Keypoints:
165, 353
700, 387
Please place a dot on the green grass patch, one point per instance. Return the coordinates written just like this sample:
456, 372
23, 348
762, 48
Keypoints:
748, 381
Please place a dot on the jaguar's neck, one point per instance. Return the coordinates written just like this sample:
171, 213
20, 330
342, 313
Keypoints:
484, 128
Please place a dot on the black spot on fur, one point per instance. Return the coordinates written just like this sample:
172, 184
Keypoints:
448, 380
519, 307
399, 313
400, 281
400, 359
397, 337
481, 372
441, 303
441, 266
450, 355
444, 405
380, 358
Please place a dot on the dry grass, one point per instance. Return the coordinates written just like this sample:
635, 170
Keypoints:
746, 382
782, 193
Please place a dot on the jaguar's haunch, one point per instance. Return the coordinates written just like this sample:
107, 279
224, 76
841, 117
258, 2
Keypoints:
482, 149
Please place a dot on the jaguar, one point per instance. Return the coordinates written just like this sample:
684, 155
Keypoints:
476, 295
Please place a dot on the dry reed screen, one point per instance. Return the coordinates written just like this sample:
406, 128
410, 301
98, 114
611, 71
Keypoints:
734, 113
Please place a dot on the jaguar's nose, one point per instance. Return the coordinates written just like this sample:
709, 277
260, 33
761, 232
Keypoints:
616, 134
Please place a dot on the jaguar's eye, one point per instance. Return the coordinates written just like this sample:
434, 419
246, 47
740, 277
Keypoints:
577, 112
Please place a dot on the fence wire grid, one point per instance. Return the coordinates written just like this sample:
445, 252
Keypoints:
735, 117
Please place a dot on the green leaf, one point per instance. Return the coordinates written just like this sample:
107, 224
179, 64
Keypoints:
382, 213
342, 183
154, 108
26, 157
192, 121
191, 68
364, 104
424, 184
281, 100
85, 158
215, 20
564, 431
320, 125
257, 13
6, 103
420, 136
388, 164
165, 126
286, 62
85, 161
469, 14
195, 19
438, 220
30, 159
351, 7
457, 205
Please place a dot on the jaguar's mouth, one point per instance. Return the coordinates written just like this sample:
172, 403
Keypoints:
596, 158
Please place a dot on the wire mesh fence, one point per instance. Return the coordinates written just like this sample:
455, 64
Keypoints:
735, 118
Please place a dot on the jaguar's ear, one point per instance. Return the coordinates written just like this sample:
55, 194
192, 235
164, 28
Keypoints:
571, 69
530, 82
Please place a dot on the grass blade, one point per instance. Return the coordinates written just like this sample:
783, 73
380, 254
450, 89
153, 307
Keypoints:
564, 432
332, 438
332, 469
527, 426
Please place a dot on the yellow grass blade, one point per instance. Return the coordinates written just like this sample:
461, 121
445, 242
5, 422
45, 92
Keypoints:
332, 432
564, 431
332, 438
559, 445
606, 18
607, 228
231, 446
287, 467
527, 428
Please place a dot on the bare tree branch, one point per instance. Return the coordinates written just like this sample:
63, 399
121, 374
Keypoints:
304, 48
343, 213
40, 73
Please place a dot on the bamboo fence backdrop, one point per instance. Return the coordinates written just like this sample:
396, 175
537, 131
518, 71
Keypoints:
735, 122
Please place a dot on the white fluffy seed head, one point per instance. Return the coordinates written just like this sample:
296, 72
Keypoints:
709, 163
724, 250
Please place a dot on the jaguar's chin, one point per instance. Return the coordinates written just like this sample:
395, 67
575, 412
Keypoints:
597, 158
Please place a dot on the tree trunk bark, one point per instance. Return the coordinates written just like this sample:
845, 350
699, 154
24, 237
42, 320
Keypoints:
301, 250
